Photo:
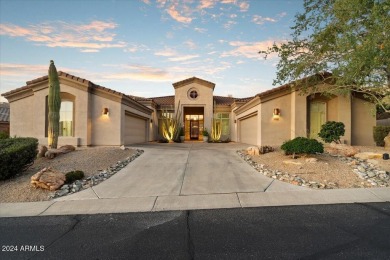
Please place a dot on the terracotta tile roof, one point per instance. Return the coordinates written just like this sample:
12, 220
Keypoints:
194, 79
4, 112
139, 98
167, 100
298, 82
75, 78
243, 99
220, 100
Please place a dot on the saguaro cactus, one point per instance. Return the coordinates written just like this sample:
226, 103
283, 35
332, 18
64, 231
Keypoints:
54, 103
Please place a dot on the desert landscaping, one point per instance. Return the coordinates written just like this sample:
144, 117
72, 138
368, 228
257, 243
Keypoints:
364, 167
97, 163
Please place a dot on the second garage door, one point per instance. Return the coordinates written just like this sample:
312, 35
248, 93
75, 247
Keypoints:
135, 129
248, 130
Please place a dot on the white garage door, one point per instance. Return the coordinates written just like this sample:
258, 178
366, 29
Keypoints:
248, 130
135, 129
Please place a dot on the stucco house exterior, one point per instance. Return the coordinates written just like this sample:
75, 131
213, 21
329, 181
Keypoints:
95, 115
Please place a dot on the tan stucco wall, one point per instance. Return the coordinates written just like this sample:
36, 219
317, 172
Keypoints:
363, 121
106, 129
204, 99
332, 109
275, 132
22, 119
81, 136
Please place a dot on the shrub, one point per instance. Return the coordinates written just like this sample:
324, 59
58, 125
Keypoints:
266, 149
16, 154
380, 132
4, 135
302, 145
205, 132
331, 131
73, 176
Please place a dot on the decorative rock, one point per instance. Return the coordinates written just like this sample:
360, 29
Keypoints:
122, 147
97, 178
387, 141
292, 162
48, 179
52, 153
253, 150
368, 155
311, 160
372, 161
341, 149
41, 151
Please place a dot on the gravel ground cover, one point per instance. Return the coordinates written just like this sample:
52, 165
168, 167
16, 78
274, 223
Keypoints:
90, 160
328, 172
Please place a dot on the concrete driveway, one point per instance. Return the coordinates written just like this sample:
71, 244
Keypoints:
186, 169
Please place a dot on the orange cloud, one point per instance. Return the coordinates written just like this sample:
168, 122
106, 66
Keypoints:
94, 35
175, 14
248, 49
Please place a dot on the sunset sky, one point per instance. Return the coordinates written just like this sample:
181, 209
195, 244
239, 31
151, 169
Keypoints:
141, 47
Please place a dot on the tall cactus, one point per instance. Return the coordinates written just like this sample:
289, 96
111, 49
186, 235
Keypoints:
54, 103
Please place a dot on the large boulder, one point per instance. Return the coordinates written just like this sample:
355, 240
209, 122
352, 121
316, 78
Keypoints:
341, 149
387, 142
48, 179
52, 153
41, 151
253, 150
368, 155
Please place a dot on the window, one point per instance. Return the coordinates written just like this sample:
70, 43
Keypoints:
193, 94
66, 118
225, 123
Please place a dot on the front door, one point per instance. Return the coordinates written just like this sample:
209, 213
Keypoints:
317, 118
194, 128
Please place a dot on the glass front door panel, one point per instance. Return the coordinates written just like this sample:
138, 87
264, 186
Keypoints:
194, 124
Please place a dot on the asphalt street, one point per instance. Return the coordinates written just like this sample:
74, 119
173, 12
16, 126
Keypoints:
341, 231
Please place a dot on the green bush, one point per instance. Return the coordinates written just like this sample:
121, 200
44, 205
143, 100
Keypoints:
4, 135
302, 145
380, 132
331, 131
16, 154
73, 176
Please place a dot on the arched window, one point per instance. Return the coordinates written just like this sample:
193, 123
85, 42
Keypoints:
67, 121
66, 118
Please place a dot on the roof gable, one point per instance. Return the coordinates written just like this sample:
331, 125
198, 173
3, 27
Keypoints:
194, 80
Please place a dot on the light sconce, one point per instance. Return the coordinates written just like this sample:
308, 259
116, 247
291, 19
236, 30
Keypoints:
151, 120
235, 121
276, 114
105, 111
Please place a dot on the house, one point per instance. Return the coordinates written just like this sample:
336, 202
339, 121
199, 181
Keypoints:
95, 115
4, 117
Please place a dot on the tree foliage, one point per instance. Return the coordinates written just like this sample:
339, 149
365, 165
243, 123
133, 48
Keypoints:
348, 38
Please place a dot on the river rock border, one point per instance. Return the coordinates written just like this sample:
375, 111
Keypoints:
370, 174
95, 179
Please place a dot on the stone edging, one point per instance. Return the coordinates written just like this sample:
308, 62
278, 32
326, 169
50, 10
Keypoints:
93, 180
366, 171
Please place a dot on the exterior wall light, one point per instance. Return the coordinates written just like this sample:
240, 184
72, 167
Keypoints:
105, 111
151, 120
276, 114
235, 121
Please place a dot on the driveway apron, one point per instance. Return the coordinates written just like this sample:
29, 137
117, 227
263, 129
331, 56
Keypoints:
184, 169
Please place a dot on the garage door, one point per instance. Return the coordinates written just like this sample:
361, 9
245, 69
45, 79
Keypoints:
135, 129
248, 130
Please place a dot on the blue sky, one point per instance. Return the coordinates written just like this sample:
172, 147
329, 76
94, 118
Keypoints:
141, 47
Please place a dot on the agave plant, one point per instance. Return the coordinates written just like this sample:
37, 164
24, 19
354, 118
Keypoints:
171, 125
216, 129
